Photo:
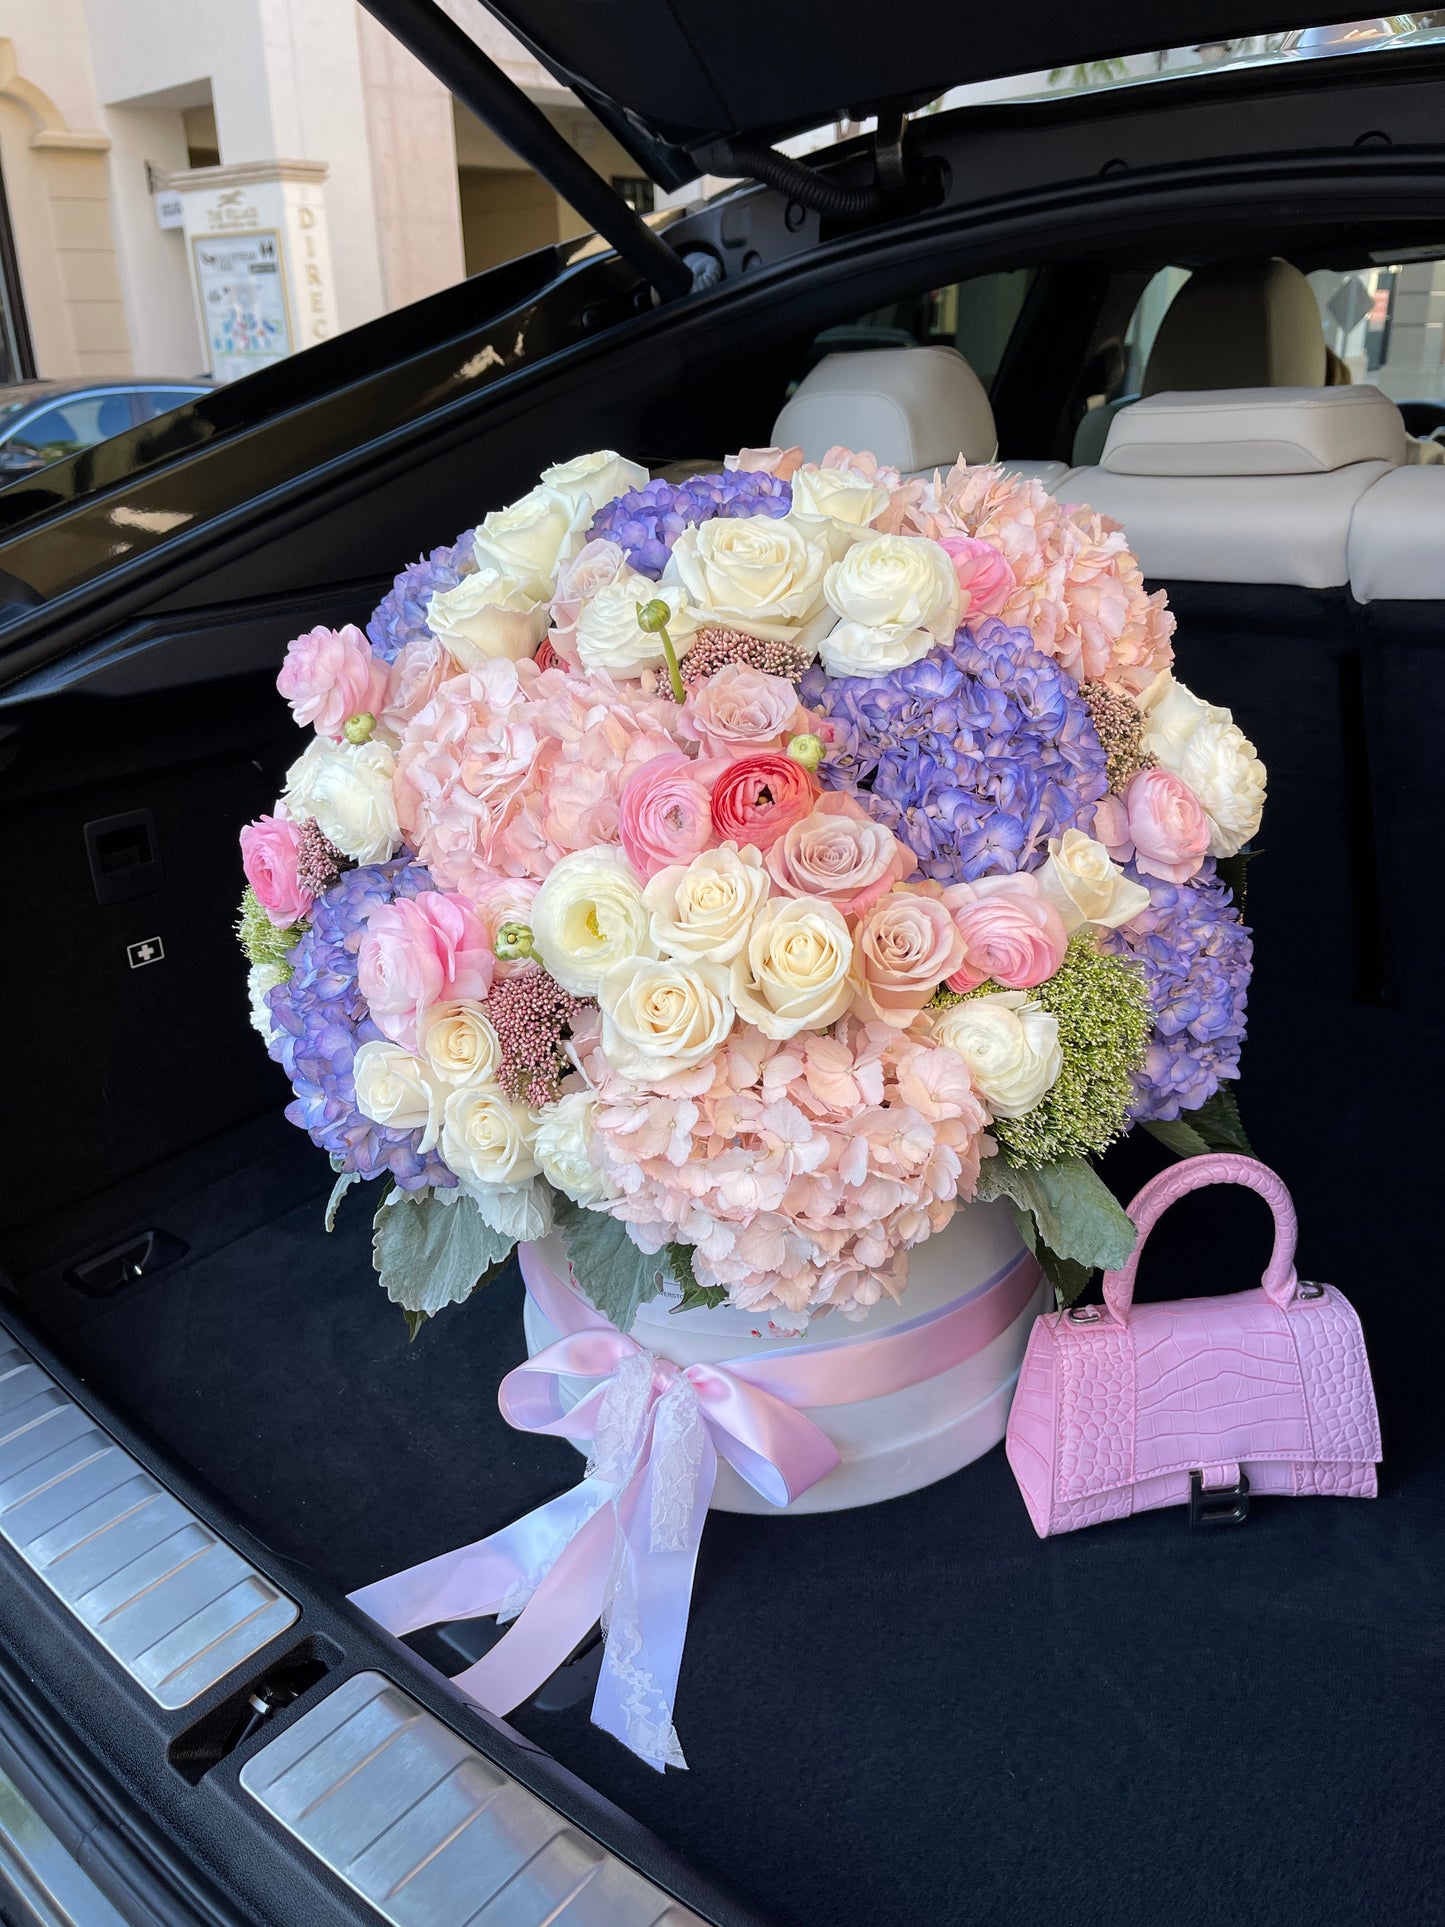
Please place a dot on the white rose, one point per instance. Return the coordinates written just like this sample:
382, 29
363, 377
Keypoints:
486, 1139
608, 637
346, 788
1204, 746
660, 1016
529, 541
1010, 1045
753, 573
703, 911
844, 499
260, 979
595, 479
488, 614
560, 1147
459, 1044
793, 972
589, 915
897, 596
397, 1089
1085, 885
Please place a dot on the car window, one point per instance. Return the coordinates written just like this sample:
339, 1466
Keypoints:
160, 401
976, 316
76, 423
1385, 324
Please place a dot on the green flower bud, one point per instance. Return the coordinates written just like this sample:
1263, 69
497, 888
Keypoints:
514, 941
654, 616
357, 729
807, 750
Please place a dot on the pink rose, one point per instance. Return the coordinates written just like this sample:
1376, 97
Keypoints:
594, 566
664, 815
1159, 822
418, 671
740, 709
983, 573
782, 462
1010, 935
269, 850
417, 952
330, 675
903, 949
839, 852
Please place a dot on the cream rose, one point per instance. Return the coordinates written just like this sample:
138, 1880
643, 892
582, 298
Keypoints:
1206, 749
528, 541
560, 1147
347, 789
1085, 885
793, 972
396, 1089
704, 910
595, 479
896, 597
607, 635
487, 614
660, 1016
843, 495
589, 915
753, 573
1010, 1045
486, 1138
458, 1043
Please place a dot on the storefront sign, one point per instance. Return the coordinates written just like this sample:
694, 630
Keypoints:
243, 300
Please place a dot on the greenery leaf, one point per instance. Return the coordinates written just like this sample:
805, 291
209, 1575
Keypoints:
1233, 873
338, 1192
1077, 1215
1179, 1135
610, 1270
433, 1248
1068, 1278
695, 1297
414, 1322
1218, 1122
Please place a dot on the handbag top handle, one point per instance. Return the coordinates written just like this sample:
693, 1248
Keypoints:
1224, 1167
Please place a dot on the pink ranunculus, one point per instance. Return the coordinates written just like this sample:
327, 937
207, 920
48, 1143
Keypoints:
499, 900
664, 815
417, 952
983, 572
739, 709
1159, 822
905, 946
782, 462
840, 853
330, 675
1010, 935
758, 797
594, 566
269, 849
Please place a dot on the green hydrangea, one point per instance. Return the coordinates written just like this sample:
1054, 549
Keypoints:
262, 942
1102, 1007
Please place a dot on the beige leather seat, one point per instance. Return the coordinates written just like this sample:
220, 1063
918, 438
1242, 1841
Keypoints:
916, 409
1397, 539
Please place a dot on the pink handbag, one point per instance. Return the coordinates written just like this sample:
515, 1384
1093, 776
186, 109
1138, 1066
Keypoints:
1121, 1407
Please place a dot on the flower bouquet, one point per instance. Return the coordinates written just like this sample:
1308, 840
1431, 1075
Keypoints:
724, 889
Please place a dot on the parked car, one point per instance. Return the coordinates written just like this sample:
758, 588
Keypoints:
44, 421
212, 1425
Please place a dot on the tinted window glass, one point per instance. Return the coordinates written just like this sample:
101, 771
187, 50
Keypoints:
74, 424
160, 401
976, 317
1385, 324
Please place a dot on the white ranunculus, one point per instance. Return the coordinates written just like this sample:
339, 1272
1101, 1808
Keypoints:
486, 1138
753, 573
608, 637
793, 972
346, 788
660, 1016
1010, 1045
896, 597
560, 1147
489, 613
459, 1044
1203, 745
260, 979
838, 495
703, 911
397, 1089
529, 540
595, 479
589, 915
1085, 885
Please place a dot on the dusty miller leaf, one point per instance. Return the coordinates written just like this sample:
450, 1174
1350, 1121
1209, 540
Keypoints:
338, 1191
432, 1248
1077, 1215
610, 1270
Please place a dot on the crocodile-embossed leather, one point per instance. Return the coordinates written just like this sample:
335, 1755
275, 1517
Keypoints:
1116, 1407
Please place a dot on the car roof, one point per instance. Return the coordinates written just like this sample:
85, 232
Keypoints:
19, 393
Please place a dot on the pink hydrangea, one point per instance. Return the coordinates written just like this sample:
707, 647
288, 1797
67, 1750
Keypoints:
799, 1172
330, 675
417, 671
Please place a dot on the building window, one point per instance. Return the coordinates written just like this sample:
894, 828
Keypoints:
639, 193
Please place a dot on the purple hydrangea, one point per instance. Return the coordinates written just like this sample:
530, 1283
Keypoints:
400, 617
1197, 954
322, 1021
974, 756
647, 521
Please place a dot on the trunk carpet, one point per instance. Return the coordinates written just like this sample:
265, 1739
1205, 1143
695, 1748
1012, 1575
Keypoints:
916, 1711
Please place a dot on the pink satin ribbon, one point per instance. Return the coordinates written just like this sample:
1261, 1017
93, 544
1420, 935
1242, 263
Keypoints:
622, 1545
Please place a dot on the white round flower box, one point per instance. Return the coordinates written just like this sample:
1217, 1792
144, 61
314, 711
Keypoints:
889, 1444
